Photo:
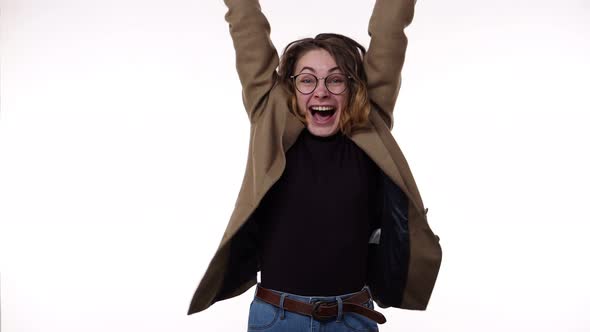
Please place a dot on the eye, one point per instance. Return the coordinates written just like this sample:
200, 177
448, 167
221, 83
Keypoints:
306, 79
338, 79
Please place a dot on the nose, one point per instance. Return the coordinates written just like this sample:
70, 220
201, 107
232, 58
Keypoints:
321, 91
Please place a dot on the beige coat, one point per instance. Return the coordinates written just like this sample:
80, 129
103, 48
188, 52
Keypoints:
233, 269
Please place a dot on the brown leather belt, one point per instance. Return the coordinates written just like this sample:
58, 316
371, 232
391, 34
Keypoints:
321, 310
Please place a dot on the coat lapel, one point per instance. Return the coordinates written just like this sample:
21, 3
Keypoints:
371, 143
292, 129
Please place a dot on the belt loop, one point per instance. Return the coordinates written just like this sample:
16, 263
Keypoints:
339, 299
369, 290
281, 305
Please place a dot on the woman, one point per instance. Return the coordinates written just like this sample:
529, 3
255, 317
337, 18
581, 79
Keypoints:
328, 211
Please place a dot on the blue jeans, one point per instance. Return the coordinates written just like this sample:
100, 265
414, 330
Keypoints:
265, 317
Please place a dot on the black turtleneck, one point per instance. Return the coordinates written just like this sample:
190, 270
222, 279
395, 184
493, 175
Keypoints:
316, 220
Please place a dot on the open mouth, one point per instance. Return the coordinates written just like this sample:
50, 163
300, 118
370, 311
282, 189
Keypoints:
322, 114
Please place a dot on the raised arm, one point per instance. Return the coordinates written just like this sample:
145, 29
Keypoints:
385, 57
256, 56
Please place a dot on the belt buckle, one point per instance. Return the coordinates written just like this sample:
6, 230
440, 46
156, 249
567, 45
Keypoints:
315, 314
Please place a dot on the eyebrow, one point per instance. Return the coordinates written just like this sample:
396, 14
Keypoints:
313, 70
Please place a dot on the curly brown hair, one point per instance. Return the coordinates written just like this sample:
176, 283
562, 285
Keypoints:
348, 55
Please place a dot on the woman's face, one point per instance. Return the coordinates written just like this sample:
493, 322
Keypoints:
320, 63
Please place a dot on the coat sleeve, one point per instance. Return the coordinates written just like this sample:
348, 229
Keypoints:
385, 56
256, 56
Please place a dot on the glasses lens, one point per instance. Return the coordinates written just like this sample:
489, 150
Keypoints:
306, 83
336, 83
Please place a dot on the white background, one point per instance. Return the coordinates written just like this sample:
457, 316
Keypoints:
123, 144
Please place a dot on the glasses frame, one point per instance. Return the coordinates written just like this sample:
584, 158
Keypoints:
317, 81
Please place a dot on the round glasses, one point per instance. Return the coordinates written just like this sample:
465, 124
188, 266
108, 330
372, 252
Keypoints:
306, 83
